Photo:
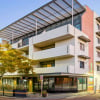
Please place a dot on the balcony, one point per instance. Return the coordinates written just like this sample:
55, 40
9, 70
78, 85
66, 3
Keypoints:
98, 32
98, 59
83, 54
50, 37
84, 37
47, 70
98, 19
20, 45
98, 45
57, 52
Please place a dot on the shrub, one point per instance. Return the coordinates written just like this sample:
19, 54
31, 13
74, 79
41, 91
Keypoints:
44, 93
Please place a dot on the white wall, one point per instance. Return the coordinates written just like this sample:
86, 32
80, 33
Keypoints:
96, 73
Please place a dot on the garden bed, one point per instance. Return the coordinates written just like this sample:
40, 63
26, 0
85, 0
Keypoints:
19, 93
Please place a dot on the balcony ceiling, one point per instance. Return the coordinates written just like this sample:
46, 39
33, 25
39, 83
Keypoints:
84, 38
50, 13
83, 56
98, 33
98, 19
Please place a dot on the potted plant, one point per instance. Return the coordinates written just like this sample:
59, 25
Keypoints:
8, 90
44, 93
20, 91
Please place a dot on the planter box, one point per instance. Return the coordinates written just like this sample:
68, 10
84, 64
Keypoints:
19, 93
8, 93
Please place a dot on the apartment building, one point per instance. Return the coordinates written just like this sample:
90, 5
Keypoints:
61, 38
96, 51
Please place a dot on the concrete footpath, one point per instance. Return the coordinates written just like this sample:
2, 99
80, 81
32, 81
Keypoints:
59, 95
50, 96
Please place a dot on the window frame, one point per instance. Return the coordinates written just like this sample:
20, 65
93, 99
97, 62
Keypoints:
82, 64
82, 46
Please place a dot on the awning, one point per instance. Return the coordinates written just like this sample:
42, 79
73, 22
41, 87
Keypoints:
50, 13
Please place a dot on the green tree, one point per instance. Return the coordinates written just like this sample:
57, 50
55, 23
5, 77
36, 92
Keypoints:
12, 60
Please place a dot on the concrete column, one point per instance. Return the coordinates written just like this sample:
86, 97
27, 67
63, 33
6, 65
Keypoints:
30, 85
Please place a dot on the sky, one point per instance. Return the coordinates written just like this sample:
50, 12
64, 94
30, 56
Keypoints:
12, 10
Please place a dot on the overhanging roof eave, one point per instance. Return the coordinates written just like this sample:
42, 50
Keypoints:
55, 12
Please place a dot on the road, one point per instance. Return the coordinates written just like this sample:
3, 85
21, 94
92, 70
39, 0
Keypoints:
89, 97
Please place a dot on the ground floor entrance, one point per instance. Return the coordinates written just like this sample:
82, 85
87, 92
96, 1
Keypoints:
62, 84
51, 83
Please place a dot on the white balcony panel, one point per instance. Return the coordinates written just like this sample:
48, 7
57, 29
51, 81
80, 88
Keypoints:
24, 48
66, 69
62, 51
97, 44
83, 37
98, 59
49, 37
83, 54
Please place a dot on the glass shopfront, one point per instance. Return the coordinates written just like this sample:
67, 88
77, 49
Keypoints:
67, 83
82, 84
8, 81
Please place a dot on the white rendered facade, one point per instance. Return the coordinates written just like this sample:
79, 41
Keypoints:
96, 51
66, 53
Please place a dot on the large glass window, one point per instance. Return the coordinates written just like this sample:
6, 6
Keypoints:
45, 83
58, 82
47, 64
8, 81
82, 83
78, 26
51, 83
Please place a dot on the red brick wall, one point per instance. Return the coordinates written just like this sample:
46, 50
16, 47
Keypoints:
88, 28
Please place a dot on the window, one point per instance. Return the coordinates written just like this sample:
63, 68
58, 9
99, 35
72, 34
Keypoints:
81, 64
98, 40
98, 67
98, 54
25, 41
98, 26
82, 47
47, 64
78, 26
19, 45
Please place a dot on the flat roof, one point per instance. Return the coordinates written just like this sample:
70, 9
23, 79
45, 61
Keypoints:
50, 13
